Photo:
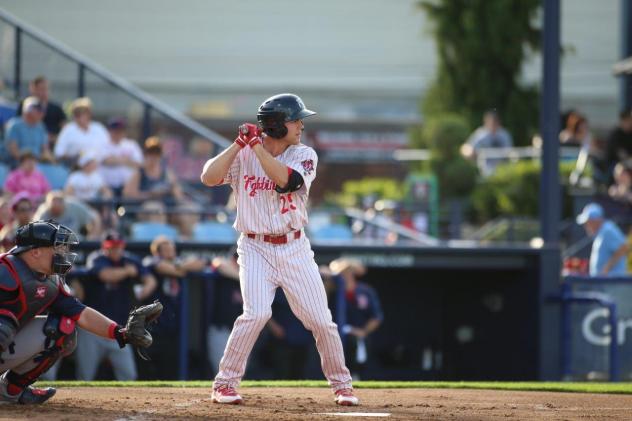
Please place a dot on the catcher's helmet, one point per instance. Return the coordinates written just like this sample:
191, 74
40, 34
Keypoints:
48, 234
279, 109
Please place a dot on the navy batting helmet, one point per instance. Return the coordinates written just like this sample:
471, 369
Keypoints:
279, 109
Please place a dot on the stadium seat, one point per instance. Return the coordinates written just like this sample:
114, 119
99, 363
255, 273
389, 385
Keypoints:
55, 174
214, 232
4, 171
147, 231
333, 232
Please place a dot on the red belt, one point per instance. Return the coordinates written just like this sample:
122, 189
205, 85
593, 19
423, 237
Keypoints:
276, 239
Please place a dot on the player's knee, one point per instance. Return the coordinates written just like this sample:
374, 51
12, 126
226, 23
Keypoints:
317, 324
261, 317
69, 344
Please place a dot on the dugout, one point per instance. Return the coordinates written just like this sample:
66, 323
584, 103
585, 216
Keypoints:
450, 313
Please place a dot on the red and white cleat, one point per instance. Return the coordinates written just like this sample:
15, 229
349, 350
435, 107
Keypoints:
226, 394
346, 397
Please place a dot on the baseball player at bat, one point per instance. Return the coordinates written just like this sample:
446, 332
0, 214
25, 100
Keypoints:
271, 172
31, 283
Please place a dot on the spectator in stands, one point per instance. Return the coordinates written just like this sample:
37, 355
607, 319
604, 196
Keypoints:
568, 136
87, 183
152, 211
187, 215
579, 134
621, 190
619, 143
592, 152
111, 291
121, 157
70, 212
490, 135
5, 211
364, 313
291, 342
80, 135
54, 116
609, 248
28, 133
153, 180
227, 306
22, 210
169, 270
27, 178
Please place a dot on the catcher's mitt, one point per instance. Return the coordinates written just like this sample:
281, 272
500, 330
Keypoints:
135, 331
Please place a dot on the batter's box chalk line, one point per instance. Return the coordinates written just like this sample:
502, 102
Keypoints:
355, 414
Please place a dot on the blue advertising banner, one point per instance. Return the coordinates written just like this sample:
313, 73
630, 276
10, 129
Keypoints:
591, 332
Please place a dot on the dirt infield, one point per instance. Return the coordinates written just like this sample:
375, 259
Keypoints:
311, 403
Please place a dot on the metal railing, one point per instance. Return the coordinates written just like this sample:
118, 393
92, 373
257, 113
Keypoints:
84, 64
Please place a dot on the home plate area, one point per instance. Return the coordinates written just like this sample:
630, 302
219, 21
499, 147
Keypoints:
188, 403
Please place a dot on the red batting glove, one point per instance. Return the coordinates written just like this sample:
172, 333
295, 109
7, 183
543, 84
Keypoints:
241, 141
249, 134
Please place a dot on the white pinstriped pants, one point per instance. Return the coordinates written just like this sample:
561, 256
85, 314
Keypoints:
262, 268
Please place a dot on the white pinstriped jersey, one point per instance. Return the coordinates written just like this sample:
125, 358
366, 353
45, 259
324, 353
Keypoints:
260, 209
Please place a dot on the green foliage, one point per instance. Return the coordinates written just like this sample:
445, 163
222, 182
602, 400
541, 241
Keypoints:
482, 46
443, 135
513, 190
353, 191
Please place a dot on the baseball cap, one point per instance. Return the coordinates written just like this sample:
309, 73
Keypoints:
112, 239
32, 103
591, 211
86, 157
19, 198
117, 123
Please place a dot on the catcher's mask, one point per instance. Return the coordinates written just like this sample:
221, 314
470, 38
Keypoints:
278, 110
48, 234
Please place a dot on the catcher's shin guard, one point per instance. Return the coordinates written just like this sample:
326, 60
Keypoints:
40, 363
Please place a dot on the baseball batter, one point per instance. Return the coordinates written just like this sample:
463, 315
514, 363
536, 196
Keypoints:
271, 174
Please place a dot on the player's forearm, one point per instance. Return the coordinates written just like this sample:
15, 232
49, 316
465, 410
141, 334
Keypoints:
149, 286
12, 146
95, 322
274, 169
372, 325
621, 251
216, 168
113, 275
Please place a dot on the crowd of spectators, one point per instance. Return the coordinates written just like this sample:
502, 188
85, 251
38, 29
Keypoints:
82, 172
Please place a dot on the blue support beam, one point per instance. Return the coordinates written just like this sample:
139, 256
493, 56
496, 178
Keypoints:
550, 124
550, 193
625, 82
81, 81
17, 64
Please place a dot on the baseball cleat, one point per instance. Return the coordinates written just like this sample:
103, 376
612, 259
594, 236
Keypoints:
226, 394
29, 396
346, 397
36, 396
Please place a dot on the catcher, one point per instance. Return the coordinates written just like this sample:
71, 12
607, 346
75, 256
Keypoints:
32, 283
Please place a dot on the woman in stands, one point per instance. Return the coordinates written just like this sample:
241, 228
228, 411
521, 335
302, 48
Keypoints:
153, 180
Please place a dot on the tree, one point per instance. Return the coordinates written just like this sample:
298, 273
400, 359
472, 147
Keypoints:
482, 46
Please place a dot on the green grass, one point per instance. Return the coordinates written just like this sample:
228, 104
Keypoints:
621, 388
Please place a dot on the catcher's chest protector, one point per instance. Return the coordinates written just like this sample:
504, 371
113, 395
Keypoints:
33, 295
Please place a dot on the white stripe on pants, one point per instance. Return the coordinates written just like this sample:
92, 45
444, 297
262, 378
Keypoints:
262, 268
